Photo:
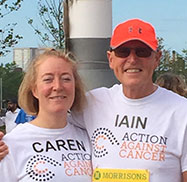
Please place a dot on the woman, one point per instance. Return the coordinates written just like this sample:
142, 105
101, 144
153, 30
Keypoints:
48, 148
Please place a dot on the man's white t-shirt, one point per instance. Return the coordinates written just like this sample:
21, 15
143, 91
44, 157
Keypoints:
140, 134
51, 155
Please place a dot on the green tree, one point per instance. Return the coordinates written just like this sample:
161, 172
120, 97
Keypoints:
184, 51
11, 78
171, 61
51, 19
7, 37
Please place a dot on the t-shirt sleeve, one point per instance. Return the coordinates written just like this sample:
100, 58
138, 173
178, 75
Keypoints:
7, 169
184, 153
77, 119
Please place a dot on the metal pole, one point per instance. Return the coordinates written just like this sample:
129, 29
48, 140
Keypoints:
90, 29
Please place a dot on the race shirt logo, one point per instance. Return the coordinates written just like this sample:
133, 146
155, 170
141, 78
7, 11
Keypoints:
120, 175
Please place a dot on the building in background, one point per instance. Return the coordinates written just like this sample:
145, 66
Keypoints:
22, 56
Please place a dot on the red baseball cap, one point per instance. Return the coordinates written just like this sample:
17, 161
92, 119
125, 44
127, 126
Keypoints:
134, 29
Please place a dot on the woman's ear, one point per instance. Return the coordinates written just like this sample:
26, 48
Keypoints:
35, 92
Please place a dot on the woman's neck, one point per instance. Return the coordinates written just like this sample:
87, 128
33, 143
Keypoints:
53, 121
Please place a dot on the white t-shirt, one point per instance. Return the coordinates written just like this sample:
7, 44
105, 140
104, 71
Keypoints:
9, 120
51, 155
148, 133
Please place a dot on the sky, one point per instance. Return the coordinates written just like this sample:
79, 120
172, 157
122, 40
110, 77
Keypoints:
169, 17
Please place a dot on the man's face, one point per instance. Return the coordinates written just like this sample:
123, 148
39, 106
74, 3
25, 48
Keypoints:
136, 69
11, 106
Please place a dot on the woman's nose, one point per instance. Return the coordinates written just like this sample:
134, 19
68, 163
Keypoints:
57, 85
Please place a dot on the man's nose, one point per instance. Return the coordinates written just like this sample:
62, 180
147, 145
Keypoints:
132, 58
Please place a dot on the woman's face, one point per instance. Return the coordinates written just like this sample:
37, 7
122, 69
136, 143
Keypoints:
55, 85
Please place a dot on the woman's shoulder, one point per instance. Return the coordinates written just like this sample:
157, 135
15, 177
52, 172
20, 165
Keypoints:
77, 131
17, 132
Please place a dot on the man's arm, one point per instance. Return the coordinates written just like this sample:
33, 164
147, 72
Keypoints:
8, 169
184, 175
3, 147
76, 118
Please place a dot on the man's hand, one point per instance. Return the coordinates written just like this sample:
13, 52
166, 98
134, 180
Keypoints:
3, 147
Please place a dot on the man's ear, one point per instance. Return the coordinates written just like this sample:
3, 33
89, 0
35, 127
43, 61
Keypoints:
158, 57
110, 59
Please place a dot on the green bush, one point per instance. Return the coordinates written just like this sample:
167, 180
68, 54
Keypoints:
2, 128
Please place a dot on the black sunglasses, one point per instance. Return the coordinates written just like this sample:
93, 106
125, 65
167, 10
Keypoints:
123, 52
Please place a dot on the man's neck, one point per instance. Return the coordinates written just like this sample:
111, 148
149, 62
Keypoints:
13, 110
138, 92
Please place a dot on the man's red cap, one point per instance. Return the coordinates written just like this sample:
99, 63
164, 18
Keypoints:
134, 29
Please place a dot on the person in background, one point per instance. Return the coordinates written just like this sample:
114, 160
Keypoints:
23, 117
49, 148
172, 82
12, 112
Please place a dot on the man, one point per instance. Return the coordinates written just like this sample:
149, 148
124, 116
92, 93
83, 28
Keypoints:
137, 125
138, 130
9, 119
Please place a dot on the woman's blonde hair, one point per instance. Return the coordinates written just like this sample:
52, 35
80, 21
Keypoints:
30, 103
172, 82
